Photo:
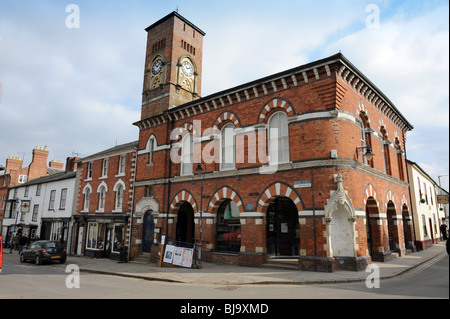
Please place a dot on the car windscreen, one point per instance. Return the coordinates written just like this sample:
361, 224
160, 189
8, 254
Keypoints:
52, 245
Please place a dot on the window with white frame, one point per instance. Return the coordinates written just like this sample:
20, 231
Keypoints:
87, 197
38, 189
62, 201
122, 161
278, 138
119, 197
92, 236
23, 179
187, 155
34, 217
101, 198
51, 204
105, 168
227, 147
89, 170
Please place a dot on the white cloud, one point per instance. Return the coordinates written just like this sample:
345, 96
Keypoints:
407, 58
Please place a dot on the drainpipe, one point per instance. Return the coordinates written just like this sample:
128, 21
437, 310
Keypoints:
409, 189
168, 184
314, 219
132, 203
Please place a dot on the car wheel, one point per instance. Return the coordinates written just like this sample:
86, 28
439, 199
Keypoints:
22, 258
38, 260
62, 260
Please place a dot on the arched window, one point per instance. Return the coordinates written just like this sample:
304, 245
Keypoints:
187, 155
386, 154
87, 199
278, 138
101, 198
228, 230
365, 136
227, 147
119, 197
151, 143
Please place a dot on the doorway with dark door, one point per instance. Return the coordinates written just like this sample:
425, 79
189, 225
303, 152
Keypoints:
147, 231
185, 229
283, 232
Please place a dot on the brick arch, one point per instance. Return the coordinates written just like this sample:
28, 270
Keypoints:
389, 197
225, 192
404, 201
186, 127
180, 198
279, 189
363, 111
276, 103
381, 124
370, 192
224, 118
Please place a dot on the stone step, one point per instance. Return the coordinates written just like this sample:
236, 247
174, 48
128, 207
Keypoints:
144, 258
281, 263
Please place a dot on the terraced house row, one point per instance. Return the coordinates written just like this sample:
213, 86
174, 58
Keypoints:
308, 165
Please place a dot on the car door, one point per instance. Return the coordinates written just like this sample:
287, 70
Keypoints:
30, 251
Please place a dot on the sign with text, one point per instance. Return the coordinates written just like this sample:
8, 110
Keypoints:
303, 184
442, 199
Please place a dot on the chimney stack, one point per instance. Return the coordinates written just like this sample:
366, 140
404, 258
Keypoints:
38, 166
57, 164
13, 164
71, 164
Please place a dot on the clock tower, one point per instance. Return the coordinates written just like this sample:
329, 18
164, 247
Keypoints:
173, 64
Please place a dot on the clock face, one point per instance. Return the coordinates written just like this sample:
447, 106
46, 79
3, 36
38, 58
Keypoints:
157, 66
187, 68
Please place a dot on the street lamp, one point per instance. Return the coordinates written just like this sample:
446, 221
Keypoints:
369, 155
201, 169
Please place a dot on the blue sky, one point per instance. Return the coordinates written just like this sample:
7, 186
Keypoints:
79, 90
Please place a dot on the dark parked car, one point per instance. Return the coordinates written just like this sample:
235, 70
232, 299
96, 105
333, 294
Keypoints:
44, 250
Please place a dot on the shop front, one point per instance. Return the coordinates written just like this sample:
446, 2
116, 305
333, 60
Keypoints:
101, 237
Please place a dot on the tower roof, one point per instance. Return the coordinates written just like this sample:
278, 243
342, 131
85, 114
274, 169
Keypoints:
176, 14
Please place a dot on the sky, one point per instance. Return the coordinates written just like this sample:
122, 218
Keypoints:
75, 85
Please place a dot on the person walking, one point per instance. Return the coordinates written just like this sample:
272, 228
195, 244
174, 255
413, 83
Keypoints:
17, 241
11, 243
443, 229
23, 242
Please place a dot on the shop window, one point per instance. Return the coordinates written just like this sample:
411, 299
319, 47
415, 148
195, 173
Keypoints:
95, 236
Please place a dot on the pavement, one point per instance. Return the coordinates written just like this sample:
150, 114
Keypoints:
218, 274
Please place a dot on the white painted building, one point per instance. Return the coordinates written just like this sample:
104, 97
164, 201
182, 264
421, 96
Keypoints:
41, 207
426, 211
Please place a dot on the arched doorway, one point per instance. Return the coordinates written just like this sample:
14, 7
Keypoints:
147, 231
371, 224
185, 228
392, 227
228, 228
407, 228
283, 232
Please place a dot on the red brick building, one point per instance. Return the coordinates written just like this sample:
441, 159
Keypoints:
103, 206
307, 164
